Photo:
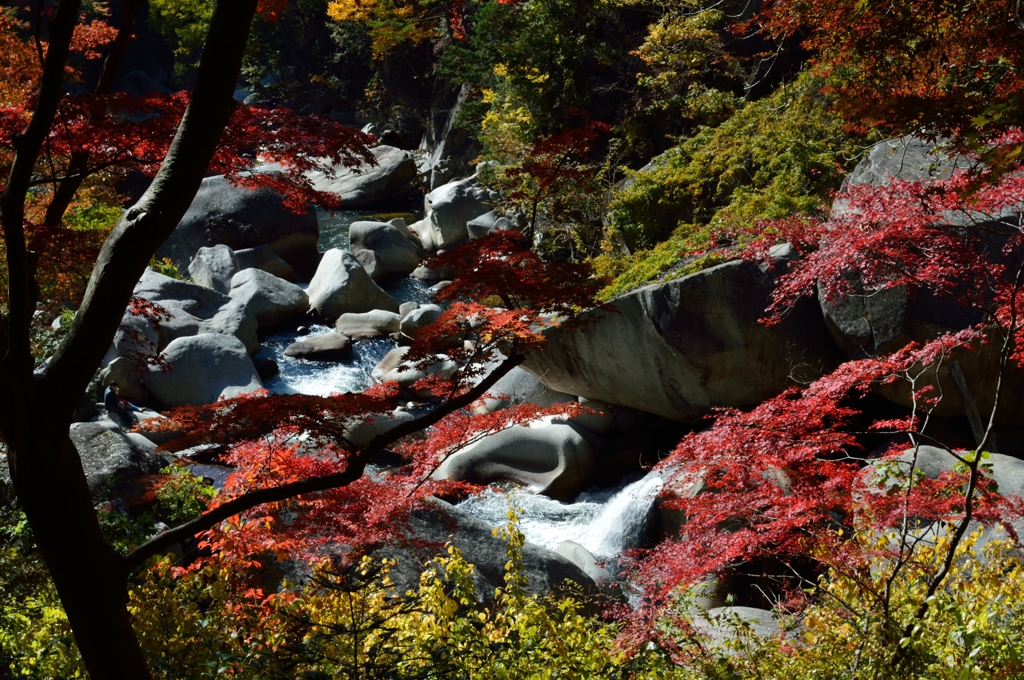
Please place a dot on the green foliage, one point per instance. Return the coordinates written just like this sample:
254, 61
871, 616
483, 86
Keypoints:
184, 23
167, 268
93, 217
182, 496
775, 157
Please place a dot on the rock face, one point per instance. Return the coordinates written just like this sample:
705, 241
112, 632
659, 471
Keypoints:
679, 348
341, 285
204, 368
397, 253
326, 347
519, 386
390, 369
262, 257
875, 323
394, 171
451, 206
423, 315
368, 325
241, 218
107, 453
213, 267
271, 299
441, 522
193, 310
554, 459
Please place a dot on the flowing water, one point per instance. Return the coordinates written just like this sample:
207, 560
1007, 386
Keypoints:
604, 521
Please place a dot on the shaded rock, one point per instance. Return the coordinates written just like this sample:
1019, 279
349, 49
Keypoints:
519, 386
368, 325
441, 522
373, 265
361, 432
367, 185
425, 274
406, 376
326, 347
390, 362
722, 624
406, 307
241, 218
262, 257
481, 226
107, 454
341, 285
584, 559
213, 267
271, 299
877, 322
397, 252
552, 458
600, 420
422, 233
423, 315
451, 206
266, 368
680, 348
204, 368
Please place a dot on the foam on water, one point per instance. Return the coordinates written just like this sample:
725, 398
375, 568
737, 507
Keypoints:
605, 522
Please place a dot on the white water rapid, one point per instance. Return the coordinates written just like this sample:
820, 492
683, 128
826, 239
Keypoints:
604, 522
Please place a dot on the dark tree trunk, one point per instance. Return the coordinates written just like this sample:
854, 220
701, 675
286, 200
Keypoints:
37, 406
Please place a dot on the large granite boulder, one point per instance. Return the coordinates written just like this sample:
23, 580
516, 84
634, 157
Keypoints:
451, 206
242, 218
397, 253
368, 185
271, 299
325, 347
552, 458
108, 454
186, 310
680, 348
368, 325
213, 267
422, 316
440, 522
395, 367
341, 285
203, 369
871, 322
262, 257
519, 386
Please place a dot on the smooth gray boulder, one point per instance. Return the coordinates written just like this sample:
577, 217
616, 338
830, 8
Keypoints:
597, 417
481, 226
451, 206
681, 348
422, 233
204, 368
368, 325
186, 310
271, 299
406, 374
373, 265
439, 522
341, 285
724, 624
406, 307
262, 257
361, 431
552, 458
367, 185
415, 320
519, 386
1006, 471
872, 322
107, 454
213, 267
326, 347
584, 559
242, 218
397, 253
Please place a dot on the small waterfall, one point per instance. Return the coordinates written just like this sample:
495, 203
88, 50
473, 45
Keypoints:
604, 522
623, 521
